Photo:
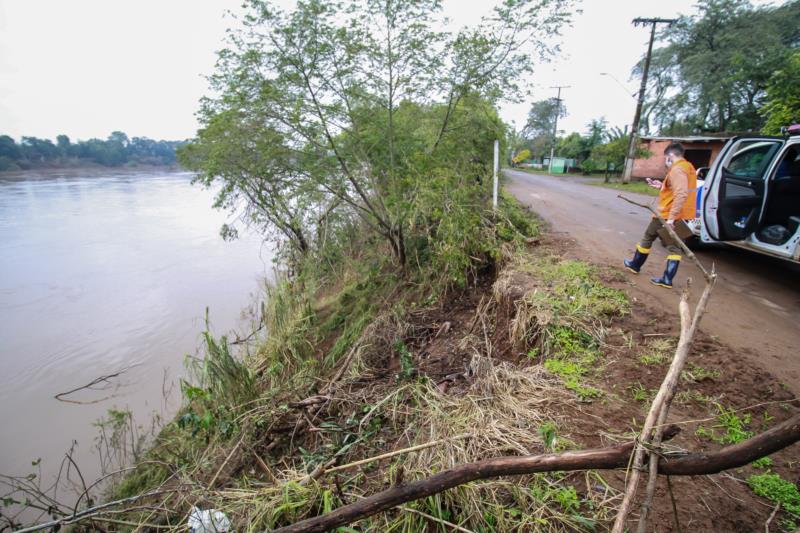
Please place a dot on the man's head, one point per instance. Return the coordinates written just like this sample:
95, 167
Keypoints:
672, 153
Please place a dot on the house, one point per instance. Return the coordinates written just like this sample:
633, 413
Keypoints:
700, 151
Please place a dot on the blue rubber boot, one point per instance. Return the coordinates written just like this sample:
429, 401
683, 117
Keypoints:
673, 262
639, 257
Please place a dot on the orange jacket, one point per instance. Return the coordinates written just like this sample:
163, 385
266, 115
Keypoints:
678, 197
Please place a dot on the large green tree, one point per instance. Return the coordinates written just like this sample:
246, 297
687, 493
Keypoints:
713, 73
782, 103
359, 109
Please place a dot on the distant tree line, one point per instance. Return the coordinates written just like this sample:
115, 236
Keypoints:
117, 150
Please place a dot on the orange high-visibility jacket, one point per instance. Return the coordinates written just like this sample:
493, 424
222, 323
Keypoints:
678, 197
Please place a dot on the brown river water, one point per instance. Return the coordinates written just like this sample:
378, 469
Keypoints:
102, 271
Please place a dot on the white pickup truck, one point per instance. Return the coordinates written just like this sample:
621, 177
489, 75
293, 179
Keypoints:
750, 196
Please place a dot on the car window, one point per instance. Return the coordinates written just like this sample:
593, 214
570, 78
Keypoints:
752, 159
790, 163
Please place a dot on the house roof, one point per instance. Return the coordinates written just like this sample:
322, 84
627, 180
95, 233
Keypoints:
687, 139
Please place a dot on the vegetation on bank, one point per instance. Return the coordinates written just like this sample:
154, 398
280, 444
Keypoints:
115, 151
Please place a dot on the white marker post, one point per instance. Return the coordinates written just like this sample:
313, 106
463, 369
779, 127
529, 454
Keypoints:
496, 170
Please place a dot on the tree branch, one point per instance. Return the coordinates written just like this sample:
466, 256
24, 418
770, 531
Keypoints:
737, 455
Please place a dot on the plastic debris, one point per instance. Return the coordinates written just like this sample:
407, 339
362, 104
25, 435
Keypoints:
208, 521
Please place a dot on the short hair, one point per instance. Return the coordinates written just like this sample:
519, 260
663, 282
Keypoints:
675, 149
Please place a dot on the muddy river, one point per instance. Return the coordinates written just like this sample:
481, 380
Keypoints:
101, 272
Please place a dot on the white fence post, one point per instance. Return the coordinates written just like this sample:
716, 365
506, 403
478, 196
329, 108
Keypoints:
496, 170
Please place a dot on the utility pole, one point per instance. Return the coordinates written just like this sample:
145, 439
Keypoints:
555, 125
634, 141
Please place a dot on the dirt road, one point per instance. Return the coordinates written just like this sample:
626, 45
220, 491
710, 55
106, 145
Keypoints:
755, 305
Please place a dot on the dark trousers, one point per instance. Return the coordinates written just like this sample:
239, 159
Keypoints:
652, 233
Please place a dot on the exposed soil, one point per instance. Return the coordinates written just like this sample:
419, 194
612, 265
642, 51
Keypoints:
718, 375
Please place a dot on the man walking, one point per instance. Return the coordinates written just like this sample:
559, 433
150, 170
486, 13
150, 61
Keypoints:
676, 203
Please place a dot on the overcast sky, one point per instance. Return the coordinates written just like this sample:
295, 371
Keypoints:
88, 67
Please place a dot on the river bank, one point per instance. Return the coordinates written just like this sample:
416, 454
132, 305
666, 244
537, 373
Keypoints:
85, 169
541, 351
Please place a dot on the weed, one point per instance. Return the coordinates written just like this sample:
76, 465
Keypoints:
572, 372
575, 353
764, 462
658, 351
641, 393
695, 373
406, 360
777, 490
549, 435
690, 396
734, 428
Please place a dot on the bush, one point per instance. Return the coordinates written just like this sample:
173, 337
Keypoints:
588, 166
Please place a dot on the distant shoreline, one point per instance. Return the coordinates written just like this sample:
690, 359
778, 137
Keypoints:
85, 171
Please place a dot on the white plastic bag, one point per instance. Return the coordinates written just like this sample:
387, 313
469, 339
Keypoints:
208, 521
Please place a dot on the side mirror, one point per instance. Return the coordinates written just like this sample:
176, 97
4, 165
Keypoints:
702, 172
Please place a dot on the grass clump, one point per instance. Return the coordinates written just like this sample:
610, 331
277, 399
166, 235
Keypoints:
574, 356
658, 351
730, 428
696, 373
779, 491
639, 187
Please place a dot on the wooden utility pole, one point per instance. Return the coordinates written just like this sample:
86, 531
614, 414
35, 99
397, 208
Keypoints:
634, 141
555, 125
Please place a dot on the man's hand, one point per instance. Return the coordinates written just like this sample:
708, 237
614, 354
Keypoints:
671, 222
656, 184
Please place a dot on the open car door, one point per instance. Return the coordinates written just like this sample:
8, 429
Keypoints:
735, 188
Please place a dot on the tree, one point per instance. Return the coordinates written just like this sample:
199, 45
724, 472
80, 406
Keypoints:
62, 141
782, 103
573, 146
9, 148
713, 73
358, 109
541, 118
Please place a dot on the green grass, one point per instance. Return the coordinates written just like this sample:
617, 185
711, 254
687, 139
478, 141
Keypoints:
777, 490
575, 356
729, 427
638, 187
546, 173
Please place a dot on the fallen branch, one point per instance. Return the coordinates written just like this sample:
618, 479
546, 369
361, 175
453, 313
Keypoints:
734, 456
104, 380
92, 511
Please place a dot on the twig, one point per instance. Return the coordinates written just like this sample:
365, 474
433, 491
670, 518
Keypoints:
439, 520
674, 505
225, 462
771, 516
397, 452
96, 381
88, 513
